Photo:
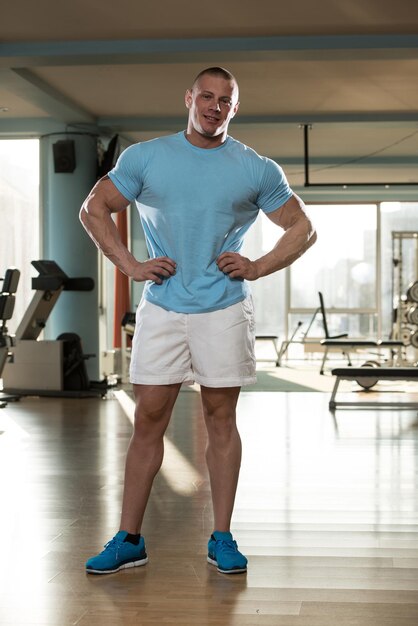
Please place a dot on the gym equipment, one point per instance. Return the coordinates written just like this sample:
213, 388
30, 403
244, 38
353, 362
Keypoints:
303, 340
286, 343
347, 345
368, 383
341, 341
7, 304
387, 373
412, 315
405, 290
49, 367
405, 320
412, 292
414, 338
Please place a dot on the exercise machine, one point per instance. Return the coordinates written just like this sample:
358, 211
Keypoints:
49, 367
7, 305
405, 289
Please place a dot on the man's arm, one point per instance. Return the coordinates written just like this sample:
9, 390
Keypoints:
298, 236
96, 217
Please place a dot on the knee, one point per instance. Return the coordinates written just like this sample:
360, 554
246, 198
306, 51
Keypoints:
150, 419
153, 403
220, 423
219, 410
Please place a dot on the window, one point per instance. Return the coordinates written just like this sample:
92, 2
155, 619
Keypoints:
342, 265
19, 215
269, 292
399, 222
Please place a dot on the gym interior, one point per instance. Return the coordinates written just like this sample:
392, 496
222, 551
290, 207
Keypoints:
327, 503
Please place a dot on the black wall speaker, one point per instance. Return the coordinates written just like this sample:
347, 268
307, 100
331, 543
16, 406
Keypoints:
64, 156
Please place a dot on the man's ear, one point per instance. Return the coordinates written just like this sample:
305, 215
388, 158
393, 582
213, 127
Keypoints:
188, 98
235, 110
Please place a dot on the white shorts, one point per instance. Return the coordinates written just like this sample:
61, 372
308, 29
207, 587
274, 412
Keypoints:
213, 349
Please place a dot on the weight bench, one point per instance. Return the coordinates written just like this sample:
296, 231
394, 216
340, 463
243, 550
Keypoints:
371, 374
349, 345
7, 304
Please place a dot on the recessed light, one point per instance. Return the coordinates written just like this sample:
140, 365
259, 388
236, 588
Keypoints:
3, 109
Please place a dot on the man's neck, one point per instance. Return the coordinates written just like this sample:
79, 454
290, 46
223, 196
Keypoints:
202, 141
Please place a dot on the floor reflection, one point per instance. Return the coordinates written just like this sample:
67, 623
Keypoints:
327, 512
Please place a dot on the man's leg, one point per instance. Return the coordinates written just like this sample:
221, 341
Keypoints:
223, 452
154, 405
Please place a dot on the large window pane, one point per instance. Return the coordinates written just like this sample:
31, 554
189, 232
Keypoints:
399, 255
268, 292
342, 265
19, 215
342, 262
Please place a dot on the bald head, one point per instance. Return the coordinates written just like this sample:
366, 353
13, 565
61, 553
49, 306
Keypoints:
220, 72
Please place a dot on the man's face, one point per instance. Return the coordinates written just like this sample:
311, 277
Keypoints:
212, 103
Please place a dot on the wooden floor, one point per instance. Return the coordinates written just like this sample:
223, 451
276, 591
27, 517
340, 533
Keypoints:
327, 512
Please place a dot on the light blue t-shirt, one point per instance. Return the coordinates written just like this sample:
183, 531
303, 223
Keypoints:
194, 204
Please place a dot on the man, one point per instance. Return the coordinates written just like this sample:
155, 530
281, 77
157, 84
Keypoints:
197, 193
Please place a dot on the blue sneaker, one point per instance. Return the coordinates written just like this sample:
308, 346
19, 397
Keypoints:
119, 553
223, 552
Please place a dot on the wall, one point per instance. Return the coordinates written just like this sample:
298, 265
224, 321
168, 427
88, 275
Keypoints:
65, 241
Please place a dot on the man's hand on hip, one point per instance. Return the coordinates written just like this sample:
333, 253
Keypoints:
155, 270
237, 266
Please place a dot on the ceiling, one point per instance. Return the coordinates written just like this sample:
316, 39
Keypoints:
345, 69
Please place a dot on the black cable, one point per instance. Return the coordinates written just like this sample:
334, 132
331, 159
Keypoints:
362, 158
